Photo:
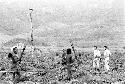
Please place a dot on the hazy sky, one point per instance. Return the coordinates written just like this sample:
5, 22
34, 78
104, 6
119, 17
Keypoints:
71, 4
71, 9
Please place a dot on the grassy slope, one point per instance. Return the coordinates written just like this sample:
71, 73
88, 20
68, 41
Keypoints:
96, 27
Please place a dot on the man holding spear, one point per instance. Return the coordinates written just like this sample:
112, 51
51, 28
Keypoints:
15, 61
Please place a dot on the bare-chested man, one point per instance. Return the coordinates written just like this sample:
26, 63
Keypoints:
69, 61
15, 61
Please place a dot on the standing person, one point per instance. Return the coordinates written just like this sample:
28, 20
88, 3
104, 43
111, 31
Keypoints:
14, 58
68, 62
107, 54
15, 61
96, 58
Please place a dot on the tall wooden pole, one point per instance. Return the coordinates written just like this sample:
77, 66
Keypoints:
31, 20
31, 10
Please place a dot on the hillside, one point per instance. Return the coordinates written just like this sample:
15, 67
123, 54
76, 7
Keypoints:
57, 24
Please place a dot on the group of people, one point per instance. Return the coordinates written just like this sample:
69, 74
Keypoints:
97, 56
96, 61
67, 60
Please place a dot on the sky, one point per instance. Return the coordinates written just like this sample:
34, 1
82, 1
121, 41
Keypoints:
70, 4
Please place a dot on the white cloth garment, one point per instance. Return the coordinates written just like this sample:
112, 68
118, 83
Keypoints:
107, 53
96, 58
97, 53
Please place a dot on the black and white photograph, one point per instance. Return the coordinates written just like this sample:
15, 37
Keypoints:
62, 42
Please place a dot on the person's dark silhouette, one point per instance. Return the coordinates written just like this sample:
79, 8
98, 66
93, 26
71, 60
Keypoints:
68, 62
15, 61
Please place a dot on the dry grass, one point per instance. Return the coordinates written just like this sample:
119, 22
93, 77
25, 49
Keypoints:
83, 73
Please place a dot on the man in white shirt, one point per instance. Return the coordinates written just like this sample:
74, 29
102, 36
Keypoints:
96, 57
107, 53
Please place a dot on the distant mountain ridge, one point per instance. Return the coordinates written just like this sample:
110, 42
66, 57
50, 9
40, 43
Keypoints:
59, 25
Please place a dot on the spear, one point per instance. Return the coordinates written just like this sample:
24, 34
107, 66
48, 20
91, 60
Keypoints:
73, 50
20, 59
